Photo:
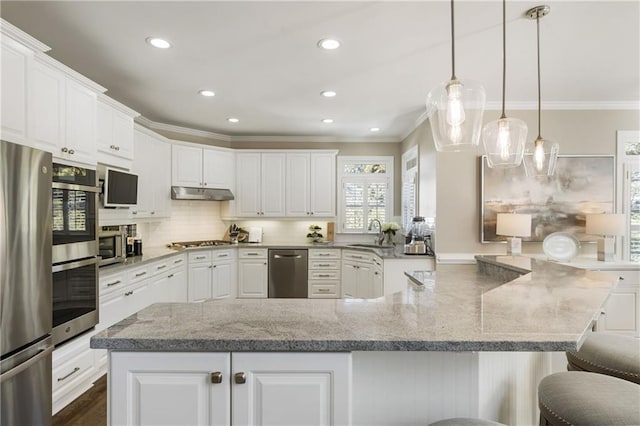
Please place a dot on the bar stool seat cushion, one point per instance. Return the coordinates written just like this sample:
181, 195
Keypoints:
610, 354
583, 398
465, 421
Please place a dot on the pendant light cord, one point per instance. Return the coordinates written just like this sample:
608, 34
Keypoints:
453, 47
539, 95
504, 54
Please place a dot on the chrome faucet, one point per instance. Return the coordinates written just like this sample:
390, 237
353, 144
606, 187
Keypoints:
380, 237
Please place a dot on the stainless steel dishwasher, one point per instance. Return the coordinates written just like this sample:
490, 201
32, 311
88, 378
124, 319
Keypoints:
288, 273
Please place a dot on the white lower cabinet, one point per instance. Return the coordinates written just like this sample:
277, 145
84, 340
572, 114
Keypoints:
230, 388
362, 275
621, 313
324, 274
212, 274
253, 273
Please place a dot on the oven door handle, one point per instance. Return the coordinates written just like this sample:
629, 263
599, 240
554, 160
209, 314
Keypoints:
74, 187
74, 265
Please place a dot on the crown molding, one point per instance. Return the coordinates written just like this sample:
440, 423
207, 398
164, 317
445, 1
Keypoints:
10, 30
559, 106
117, 105
320, 139
181, 130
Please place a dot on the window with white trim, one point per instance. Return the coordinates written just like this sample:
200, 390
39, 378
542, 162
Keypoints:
366, 192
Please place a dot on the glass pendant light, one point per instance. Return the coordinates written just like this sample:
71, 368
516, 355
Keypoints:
540, 159
504, 139
455, 109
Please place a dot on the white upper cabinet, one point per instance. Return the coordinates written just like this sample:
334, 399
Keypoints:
80, 132
260, 183
14, 76
114, 133
153, 157
196, 167
310, 187
46, 107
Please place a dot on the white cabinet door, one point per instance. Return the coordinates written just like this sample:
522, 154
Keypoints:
349, 278
169, 388
273, 180
377, 288
218, 168
80, 123
178, 286
114, 134
200, 276
186, 167
223, 282
364, 282
291, 389
322, 193
297, 184
123, 135
248, 184
46, 108
160, 289
14, 77
252, 278
154, 184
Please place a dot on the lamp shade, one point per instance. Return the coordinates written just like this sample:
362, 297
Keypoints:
606, 224
514, 225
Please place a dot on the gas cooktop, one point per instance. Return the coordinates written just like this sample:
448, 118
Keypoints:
204, 243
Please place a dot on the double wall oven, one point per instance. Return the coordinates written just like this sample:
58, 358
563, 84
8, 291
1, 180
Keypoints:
75, 250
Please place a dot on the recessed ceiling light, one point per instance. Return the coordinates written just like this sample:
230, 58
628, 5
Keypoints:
375, 129
328, 93
329, 43
232, 120
158, 42
207, 93
327, 120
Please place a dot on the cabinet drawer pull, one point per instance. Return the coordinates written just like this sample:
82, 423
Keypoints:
323, 290
324, 264
324, 254
240, 378
170, 276
139, 274
216, 377
200, 257
161, 267
357, 257
252, 254
223, 255
113, 283
177, 261
129, 293
376, 273
324, 275
75, 370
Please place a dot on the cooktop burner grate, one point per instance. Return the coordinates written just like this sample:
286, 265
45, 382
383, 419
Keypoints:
204, 243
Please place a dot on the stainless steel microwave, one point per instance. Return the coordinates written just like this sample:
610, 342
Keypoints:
112, 245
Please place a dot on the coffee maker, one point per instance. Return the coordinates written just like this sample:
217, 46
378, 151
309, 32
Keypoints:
420, 242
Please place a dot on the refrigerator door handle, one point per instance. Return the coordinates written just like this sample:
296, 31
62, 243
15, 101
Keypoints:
20, 368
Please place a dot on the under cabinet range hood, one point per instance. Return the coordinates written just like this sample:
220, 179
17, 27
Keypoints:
204, 194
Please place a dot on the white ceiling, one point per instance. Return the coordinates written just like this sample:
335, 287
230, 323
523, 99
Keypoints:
262, 61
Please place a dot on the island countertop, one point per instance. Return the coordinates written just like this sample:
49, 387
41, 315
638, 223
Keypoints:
457, 308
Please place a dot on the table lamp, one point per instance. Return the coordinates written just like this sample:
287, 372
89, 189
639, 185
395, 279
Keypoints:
607, 225
514, 225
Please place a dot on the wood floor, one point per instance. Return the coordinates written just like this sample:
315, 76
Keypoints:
89, 409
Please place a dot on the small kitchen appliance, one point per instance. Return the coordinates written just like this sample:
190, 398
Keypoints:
420, 238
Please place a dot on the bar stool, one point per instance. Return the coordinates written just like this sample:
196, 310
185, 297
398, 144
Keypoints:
583, 398
611, 354
465, 421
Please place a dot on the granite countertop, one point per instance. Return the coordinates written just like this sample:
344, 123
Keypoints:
456, 309
156, 253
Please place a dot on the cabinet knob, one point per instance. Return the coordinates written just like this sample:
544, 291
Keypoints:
64, 149
112, 147
311, 213
117, 148
240, 378
205, 184
71, 152
216, 377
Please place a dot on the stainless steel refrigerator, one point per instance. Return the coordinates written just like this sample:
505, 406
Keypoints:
25, 285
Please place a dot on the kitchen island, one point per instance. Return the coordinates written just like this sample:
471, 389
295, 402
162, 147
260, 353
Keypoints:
467, 341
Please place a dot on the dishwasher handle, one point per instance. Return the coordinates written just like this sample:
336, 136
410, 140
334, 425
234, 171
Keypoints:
287, 256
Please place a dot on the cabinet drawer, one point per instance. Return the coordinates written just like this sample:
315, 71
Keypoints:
160, 267
200, 256
226, 254
328, 290
324, 264
177, 261
111, 283
357, 255
324, 254
138, 274
629, 278
252, 253
324, 275
73, 369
